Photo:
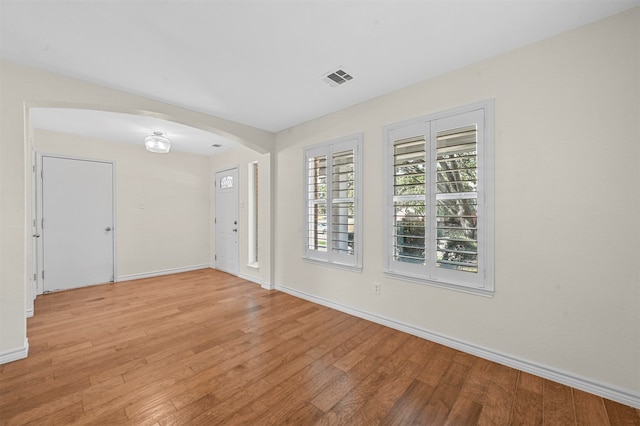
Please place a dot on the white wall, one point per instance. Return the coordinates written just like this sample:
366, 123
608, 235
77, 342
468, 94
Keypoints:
170, 232
23, 87
567, 208
241, 158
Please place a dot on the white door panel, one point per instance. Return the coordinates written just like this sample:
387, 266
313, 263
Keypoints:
226, 226
77, 227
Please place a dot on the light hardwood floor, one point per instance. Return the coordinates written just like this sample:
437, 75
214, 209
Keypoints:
205, 347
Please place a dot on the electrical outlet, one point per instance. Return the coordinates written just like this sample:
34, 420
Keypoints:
376, 287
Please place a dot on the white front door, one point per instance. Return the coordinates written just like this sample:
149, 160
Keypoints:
77, 223
226, 221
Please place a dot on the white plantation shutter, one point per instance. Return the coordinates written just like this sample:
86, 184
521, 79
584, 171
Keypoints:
333, 211
317, 203
343, 202
457, 199
409, 200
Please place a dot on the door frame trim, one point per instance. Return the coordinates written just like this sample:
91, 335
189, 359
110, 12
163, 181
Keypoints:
37, 182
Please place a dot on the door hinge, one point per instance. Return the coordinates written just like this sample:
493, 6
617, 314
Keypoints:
41, 174
215, 257
43, 274
35, 277
42, 223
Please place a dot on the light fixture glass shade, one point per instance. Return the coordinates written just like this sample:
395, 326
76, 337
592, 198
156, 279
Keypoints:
157, 143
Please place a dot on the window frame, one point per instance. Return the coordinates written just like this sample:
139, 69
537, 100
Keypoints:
252, 210
328, 149
481, 282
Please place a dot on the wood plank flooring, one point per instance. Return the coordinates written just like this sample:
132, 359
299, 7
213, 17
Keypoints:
208, 348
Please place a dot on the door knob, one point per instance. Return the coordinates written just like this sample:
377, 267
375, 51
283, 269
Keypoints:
108, 228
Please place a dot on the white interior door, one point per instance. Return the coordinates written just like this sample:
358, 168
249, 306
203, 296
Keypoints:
77, 223
226, 222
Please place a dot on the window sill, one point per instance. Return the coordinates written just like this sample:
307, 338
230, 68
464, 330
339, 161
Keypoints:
446, 285
352, 268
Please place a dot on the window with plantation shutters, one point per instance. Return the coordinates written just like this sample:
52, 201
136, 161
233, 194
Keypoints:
440, 199
332, 212
342, 202
456, 208
409, 200
317, 203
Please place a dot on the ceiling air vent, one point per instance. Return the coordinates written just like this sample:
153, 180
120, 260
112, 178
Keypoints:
336, 78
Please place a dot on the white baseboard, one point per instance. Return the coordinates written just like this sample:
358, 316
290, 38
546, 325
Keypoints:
15, 354
250, 278
30, 313
265, 285
161, 272
604, 390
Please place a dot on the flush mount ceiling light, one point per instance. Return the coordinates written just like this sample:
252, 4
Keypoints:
157, 143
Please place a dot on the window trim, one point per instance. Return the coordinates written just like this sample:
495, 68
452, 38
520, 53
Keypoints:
328, 148
485, 284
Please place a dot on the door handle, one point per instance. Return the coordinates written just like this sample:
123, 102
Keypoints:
108, 228
235, 230
36, 235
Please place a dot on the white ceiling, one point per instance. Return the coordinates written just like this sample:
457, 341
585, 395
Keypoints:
128, 128
260, 63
